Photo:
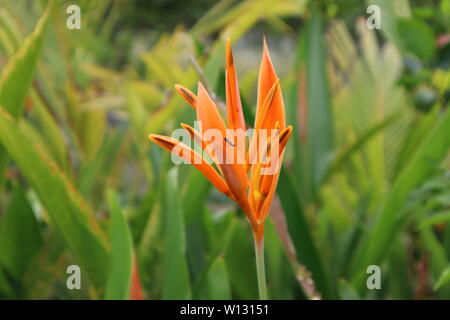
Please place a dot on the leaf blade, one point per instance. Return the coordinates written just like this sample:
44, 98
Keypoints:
176, 274
119, 279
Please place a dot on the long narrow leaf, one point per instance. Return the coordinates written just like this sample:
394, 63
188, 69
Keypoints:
176, 275
119, 279
17, 75
427, 159
68, 212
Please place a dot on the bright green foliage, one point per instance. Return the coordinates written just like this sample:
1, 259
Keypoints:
119, 277
365, 178
176, 277
17, 75
20, 238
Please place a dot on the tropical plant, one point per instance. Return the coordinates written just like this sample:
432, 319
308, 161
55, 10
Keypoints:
364, 179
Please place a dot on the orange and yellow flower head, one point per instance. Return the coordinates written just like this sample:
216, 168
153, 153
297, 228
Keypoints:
245, 162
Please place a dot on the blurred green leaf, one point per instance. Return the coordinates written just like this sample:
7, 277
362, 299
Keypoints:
417, 38
214, 65
119, 278
444, 278
418, 132
346, 153
176, 274
426, 160
217, 284
299, 230
20, 239
435, 218
281, 272
437, 256
346, 291
400, 273
314, 128
240, 261
69, 214
219, 231
6, 290
100, 166
16, 76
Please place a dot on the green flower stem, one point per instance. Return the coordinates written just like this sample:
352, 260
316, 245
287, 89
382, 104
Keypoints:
260, 268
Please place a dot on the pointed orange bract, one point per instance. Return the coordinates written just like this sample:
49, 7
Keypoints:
253, 194
187, 95
193, 158
266, 80
209, 117
234, 106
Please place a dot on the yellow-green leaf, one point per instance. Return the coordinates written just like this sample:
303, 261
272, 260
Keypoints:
17, 75
69, 213
119, 278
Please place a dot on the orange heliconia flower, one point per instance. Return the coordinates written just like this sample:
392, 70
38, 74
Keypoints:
241, 180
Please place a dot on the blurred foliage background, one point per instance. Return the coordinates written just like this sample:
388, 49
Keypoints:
366, 178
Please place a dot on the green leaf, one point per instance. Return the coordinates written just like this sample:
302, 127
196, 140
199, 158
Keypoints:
101, 165
417, 38
436, 218
314, 129
176, 274
217, 283
20, 239
347, 152
17, 75
119, 278
219, 230
282, 282
215, 64
444, 278
299, 230
69, 213
437, 256
346, 291
426, 160
240, 261
49, 131
6, 290
399, 281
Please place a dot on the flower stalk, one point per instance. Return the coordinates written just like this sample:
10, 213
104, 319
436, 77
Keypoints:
260, 267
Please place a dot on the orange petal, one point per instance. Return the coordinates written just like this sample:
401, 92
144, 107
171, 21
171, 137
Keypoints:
234, 107
199, 140
194, 135
256, 197
207, 112
284, 137
209, 117
188, 95
194, 158
267, 79
264, 211
282, 141
268, 182
267, 105
260, 119
267, 75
